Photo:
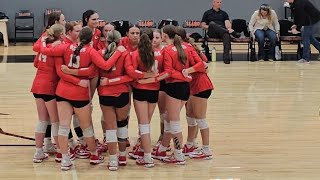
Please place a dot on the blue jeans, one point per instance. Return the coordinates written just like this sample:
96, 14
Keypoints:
260, 36
307, 39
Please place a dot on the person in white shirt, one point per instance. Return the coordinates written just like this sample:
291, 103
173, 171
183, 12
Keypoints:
264, 23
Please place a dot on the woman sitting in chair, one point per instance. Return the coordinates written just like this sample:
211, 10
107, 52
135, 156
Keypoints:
264, 24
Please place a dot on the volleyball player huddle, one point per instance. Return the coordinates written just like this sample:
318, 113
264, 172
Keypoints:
74, 59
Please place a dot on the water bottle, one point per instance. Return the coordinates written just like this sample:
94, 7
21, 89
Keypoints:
213, 54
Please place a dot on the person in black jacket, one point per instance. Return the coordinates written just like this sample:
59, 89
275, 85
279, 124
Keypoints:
217, 22
305, 14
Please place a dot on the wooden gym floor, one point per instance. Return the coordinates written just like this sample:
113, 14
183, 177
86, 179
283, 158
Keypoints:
264, 120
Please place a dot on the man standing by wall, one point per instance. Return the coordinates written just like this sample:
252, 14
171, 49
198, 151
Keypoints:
217, 23
306, 15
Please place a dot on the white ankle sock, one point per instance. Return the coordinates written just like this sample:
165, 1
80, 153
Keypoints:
113, 158
39, 150
47, 141
189, 144
122, 153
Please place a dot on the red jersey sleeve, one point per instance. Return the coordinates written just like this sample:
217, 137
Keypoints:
89, 71
119, 80
36, 61
54, 51
37, 44
204, 57
197, 63
168, 68
98, 60
66, 77
131, 66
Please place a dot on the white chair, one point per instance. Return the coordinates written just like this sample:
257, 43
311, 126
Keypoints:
4, 31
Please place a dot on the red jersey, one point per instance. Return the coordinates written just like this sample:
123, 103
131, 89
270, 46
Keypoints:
200, 80
117, 79
174, 67
67, 88
66, 40
126, 43
46, 79
95, 39
102, 43
37, 44
136, 69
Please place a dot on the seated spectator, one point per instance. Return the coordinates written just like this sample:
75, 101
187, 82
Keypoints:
264, 23
217, 22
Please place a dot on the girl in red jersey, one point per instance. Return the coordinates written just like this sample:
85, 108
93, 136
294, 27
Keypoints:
114, 101
157, 47
104, 35
73, 94
177, 62
143, 64
73, 29
103, 44
43, 89
131, 41
201, 88
53, 18
90, 19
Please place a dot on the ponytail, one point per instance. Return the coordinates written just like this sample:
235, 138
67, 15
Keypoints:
181, 54
50, 36
145, 49
113, 39
77, 52
85, 36
54, 33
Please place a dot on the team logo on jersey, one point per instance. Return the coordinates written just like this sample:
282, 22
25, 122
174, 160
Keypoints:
157, 53
96, 37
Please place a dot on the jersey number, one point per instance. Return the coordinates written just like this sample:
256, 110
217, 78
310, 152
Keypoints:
42, 58
76, 64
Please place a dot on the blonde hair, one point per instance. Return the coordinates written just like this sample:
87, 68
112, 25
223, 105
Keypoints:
54, 33
113, 40
267, 8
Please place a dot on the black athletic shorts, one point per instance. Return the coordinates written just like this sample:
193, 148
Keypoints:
75, 104
178, 90
117, 102
204, 94
163, 85
151, 96
45, 97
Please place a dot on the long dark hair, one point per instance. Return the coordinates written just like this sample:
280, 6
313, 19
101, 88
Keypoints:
182, 33
52, 18
85, 38
86, 16
170, 30
145, 48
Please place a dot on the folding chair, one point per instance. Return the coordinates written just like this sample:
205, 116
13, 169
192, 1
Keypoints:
292, 39
241, 26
